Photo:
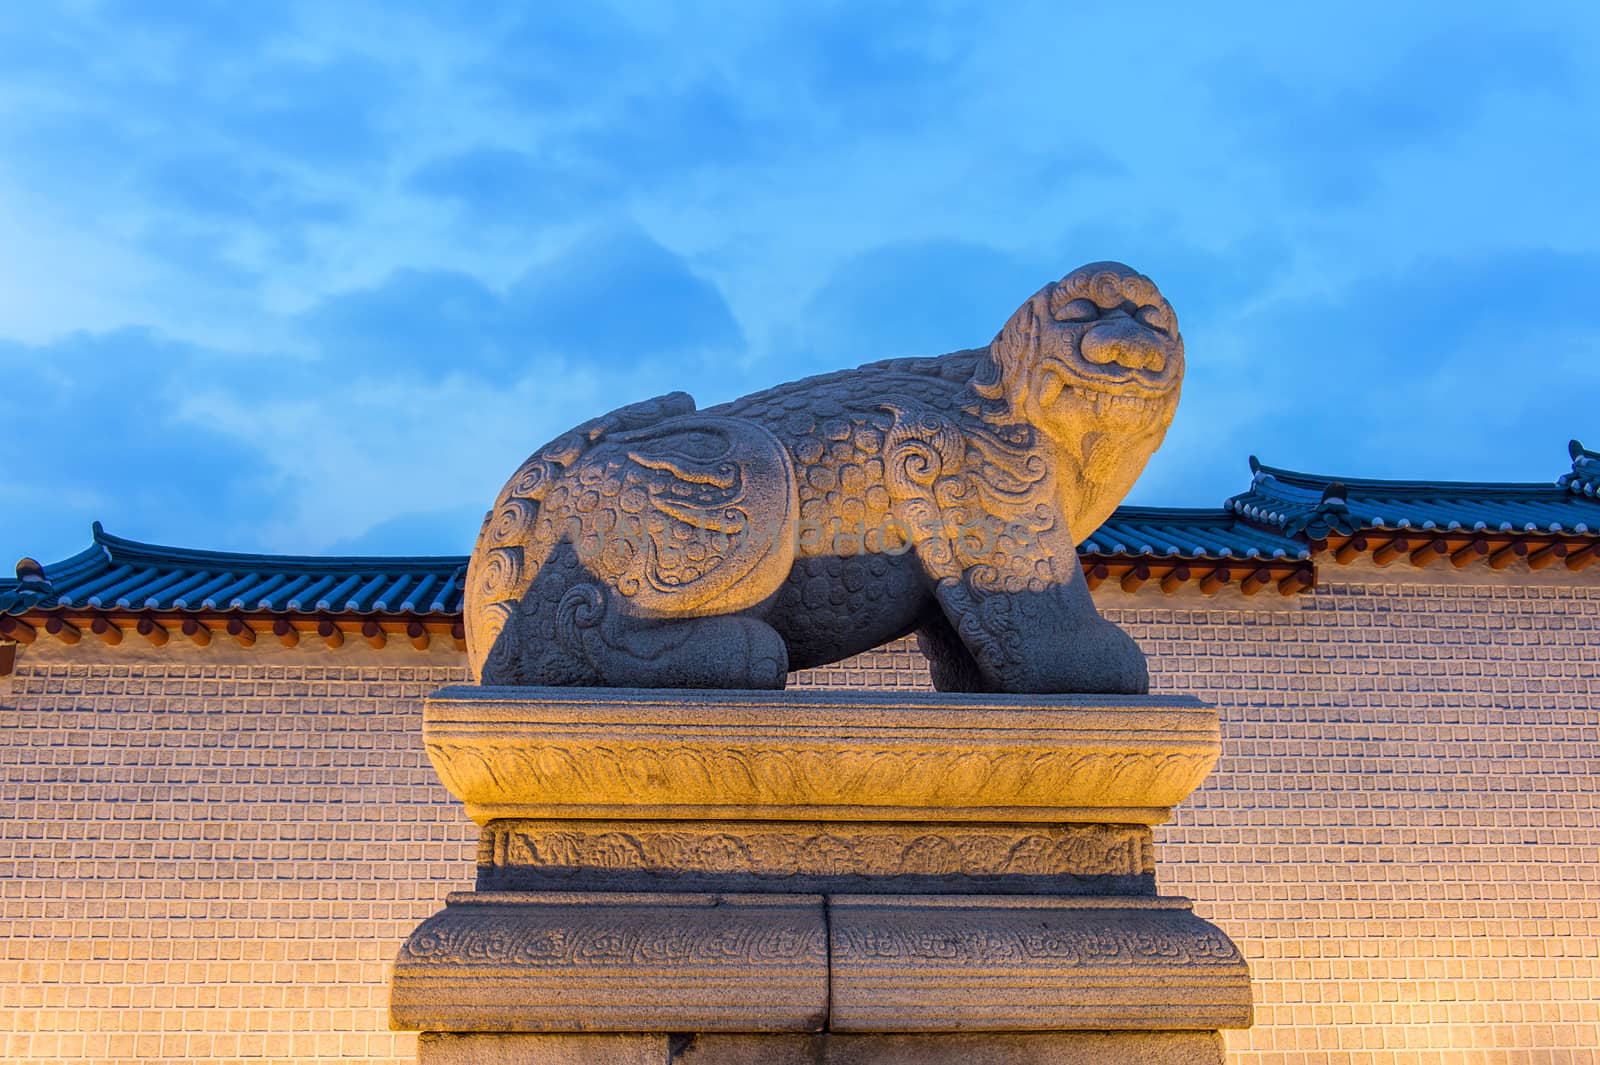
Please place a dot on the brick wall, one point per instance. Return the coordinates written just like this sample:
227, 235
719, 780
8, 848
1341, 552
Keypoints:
206, 859
215, 862
1402, 830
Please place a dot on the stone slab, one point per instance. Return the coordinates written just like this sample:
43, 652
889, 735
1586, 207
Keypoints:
815, 857
1009, 1048
683, 962
617, 962
997, 963
817, 755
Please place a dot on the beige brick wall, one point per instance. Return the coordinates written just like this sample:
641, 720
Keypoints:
1402, 832
215, 862
213, 856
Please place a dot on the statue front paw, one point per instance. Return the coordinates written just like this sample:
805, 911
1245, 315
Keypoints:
1106, 660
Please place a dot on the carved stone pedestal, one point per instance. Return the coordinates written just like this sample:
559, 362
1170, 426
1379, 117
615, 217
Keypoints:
731, 877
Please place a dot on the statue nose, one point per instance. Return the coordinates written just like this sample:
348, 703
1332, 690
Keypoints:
1121, 341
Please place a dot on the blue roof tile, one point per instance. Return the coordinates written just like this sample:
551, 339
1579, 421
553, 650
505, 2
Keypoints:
118, 574
1169, 532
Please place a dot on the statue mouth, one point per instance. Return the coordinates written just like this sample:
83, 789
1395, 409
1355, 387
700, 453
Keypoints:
1120, 405
1117, 359
1130, 394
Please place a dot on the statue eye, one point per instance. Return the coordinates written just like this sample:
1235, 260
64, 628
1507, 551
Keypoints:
1078, 311
1152, 317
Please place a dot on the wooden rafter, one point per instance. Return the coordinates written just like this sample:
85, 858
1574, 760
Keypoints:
286, 633
1255, 580
63, 630
1547, 555
1212, 581
1472, 551
1430, 550
330, 631
417, 633
153, 630
1350, 550
1135, 576
106, 629
1390, 550
1302, 579
1508, 554
241, 631
17, 630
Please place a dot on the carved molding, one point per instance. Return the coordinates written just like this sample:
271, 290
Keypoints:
835, 756
644, 962
550, 851
526, 962
973, 965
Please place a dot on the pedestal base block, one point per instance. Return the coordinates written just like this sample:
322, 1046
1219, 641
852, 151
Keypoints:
613, 962
1011, 1048
681, 962
766, 878
972, 963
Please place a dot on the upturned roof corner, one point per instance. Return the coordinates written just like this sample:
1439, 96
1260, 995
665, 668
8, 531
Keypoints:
1584, 479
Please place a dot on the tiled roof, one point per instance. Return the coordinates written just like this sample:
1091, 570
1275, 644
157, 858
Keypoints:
1170, 532
1313, 506
118, 574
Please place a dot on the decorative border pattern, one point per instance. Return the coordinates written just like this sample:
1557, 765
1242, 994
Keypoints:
563, 962
574, 849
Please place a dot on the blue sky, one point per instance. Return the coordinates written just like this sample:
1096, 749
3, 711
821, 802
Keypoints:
316, 277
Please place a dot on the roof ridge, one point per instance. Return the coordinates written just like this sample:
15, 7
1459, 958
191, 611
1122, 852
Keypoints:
122, 550
1129, 511
1297, 479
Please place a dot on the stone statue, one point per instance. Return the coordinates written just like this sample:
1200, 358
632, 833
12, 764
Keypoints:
660, 546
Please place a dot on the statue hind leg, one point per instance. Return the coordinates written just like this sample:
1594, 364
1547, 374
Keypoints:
715, 652
571, 630
951, 666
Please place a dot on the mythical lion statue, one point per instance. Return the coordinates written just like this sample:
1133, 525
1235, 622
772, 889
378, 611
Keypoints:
661, 546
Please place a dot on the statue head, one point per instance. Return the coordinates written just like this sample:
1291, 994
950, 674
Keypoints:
1095, 362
